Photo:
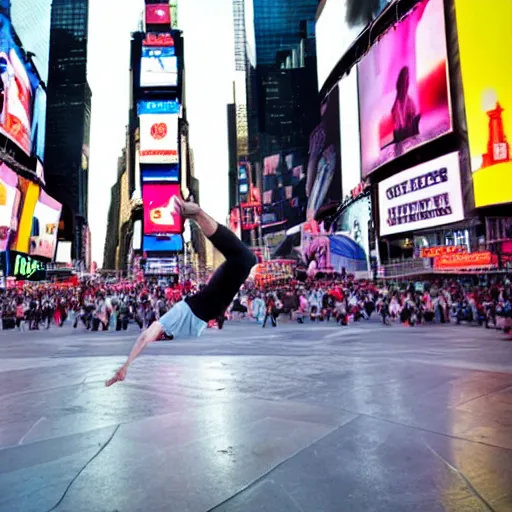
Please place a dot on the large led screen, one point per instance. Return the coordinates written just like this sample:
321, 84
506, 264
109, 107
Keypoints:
354, 224
338, 26
425, 196
10, 197
45, 226
158, 138
349, 131
159, 217
485, 43
403, 87
324, 167
159, 67
158, 14
16, 91
30, 195
172, 243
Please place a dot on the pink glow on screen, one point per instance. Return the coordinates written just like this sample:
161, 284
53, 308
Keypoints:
403, 88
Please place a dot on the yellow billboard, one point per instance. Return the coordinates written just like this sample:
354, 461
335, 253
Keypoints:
485, 42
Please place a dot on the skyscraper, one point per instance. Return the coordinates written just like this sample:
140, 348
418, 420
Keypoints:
275, 50
68, 118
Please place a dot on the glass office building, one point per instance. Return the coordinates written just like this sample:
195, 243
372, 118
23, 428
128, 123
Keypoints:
68, 117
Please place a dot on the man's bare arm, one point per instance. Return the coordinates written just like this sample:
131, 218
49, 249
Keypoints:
148, 336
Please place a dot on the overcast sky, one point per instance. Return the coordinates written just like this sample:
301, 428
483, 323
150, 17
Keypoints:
209, 62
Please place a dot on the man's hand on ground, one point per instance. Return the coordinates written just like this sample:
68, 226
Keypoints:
119, 376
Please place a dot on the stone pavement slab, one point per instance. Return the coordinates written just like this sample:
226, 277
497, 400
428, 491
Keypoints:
298, 418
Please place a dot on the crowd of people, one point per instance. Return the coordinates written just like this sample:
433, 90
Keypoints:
342, 299
101, 305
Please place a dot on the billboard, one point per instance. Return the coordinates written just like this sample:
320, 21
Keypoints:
159, 217
172, 243
403, 87
160, 173
159, 67
354, 224
425, 196
26, 268
349, 131
323, 185
158, 14
337, 27
284, 190
10, 198
158, 138
485, 39
30, 195
45, 226
152, 39
158, 107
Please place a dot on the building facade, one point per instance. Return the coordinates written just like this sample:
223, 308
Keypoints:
69, 119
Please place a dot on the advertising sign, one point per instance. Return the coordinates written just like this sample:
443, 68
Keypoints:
324, 167
160, 173
354, 224
159, 67
158, 138
10, 198
45, 226
170, 243
434, 252
30, 195
403, 87
159, 217
16, 92
158, 14
158, 40
26, 268
159, 266
485, 40
158, 107
337, 27
425, 196
349, 131
483, 259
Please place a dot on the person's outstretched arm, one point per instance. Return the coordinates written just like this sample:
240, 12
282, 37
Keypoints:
148, 336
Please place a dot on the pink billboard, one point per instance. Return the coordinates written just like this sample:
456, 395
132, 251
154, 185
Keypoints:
404, 96
10, 198
159, 216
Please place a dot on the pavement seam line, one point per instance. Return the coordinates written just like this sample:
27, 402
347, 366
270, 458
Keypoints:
277, 466
84, 467
464, 477
422, 429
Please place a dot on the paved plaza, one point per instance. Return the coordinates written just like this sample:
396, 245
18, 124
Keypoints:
313, 418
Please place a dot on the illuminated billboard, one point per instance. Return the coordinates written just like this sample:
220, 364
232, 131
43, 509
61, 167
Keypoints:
10, 197
425, 196
45, 226
171, 243
158, 14
485, 40
324, 168
337, 27
158, 107
403, 87
349, 131
160, 173
158, 138
153, 39
159, 67
159, 217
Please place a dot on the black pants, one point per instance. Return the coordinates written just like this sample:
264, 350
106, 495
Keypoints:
272, 319
213, 300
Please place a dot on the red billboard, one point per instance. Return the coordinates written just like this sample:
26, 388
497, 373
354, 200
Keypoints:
158, 14
159, 216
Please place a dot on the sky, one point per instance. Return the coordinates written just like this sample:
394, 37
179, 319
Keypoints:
209, 67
